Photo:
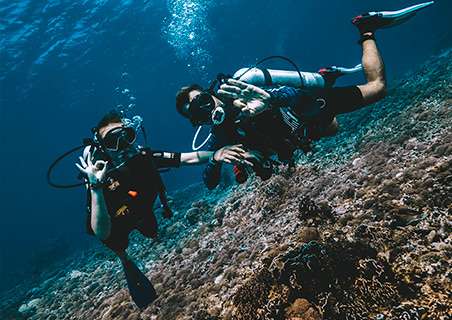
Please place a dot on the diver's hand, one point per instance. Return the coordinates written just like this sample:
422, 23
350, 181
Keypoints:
250, 99
232, 154
95, 172
254, 156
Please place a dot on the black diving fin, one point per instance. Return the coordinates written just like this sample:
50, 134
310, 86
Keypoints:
140, 288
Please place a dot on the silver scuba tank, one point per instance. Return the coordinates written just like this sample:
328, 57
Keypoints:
270, 77
262, 77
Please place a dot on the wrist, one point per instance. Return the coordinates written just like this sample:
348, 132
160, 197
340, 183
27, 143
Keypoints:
96, 185
212, 158
271, 99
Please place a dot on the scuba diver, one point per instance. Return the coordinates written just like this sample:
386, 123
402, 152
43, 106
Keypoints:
123, 181
276, 112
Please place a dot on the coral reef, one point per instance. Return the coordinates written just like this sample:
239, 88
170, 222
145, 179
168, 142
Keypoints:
360, 230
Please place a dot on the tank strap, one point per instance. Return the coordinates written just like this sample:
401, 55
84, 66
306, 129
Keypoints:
299, 128
267, 77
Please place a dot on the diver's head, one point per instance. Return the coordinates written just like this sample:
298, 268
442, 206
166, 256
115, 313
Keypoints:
196, 104
112, 134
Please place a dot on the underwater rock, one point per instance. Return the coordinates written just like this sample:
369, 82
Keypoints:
193, 215
76, 274
308, 234
30, 307
301, 309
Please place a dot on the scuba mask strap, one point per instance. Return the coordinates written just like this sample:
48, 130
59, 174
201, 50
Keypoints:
145, 136
97, 141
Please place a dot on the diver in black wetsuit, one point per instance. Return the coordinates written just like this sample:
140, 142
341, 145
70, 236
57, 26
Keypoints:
281, 120
123, 183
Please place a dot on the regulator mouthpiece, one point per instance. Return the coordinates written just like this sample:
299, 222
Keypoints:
218, 116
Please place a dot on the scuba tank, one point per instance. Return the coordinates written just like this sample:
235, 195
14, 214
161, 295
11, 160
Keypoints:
324, 78
262, 77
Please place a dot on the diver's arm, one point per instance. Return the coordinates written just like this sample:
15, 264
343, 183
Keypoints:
95, 174
212, 171
100, 219
283, 96
252, 100
198, 157
165, 159
229, 154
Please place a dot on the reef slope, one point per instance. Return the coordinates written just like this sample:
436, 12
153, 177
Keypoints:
360, 230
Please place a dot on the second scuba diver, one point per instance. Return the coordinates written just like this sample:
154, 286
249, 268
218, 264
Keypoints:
123, 182
278, 121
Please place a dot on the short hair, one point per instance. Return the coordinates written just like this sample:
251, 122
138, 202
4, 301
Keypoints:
182, 96
113, 116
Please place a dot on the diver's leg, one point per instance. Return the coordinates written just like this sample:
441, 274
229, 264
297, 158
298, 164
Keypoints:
118, 243
374, 70
122, 255
339, 100
148, 226
331, 129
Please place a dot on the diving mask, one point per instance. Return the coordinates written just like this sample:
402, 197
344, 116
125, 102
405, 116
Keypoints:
119, 138
200, 108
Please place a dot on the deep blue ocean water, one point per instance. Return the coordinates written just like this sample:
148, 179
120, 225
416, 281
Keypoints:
65, 63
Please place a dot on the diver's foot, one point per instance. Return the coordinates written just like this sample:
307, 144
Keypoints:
372, 21
330, 75
368, 22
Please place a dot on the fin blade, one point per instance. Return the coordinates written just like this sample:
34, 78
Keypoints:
140, 288
406, 11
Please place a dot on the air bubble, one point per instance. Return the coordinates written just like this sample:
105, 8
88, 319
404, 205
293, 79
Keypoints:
187, 30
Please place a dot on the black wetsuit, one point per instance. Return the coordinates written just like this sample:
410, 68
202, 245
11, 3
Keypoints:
295, 113
130, 194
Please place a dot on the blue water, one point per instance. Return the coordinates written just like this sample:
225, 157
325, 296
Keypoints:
65, 63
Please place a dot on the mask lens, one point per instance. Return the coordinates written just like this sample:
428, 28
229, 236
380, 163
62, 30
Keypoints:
203, 100
130, 135
119, 137
201, 107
